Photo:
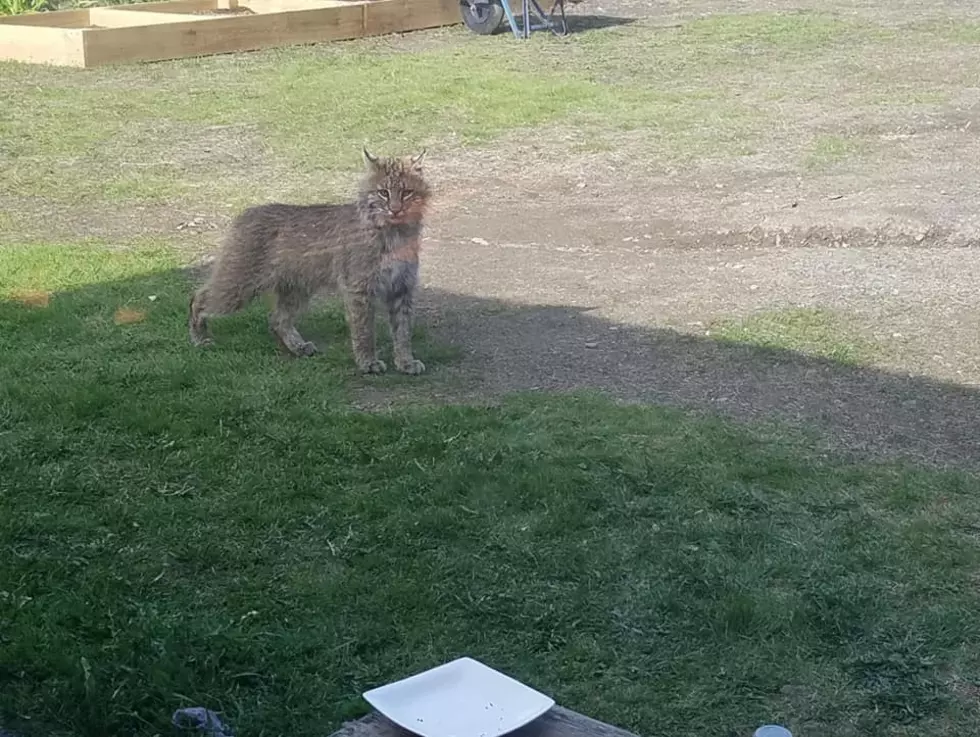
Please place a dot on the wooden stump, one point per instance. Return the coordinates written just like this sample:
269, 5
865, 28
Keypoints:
557, 722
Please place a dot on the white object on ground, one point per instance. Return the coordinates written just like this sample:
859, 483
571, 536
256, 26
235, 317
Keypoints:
772, 730
462, 698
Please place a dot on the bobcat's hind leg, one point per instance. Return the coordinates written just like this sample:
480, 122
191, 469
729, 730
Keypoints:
197, 321
212, 300
290, 303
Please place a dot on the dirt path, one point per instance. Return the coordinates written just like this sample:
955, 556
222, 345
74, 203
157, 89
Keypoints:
572, 294
631, 323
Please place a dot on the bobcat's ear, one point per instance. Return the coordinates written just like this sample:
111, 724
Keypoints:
417, 160
369, 159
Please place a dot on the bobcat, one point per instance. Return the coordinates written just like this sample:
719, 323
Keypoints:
364, 249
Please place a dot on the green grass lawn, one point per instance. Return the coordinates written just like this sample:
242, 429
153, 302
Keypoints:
220, 528
223, 529
808, 331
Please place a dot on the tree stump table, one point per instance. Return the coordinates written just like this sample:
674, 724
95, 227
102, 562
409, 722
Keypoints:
556, 722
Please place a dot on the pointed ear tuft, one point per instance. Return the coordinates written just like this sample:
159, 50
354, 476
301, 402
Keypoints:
369, 159
417, 160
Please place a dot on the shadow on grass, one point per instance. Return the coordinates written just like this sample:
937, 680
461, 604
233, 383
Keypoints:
576, 22
489, 348
868, 413
579, 23
219, 528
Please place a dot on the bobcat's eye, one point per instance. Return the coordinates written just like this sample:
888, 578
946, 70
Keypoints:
406, 193
383, 193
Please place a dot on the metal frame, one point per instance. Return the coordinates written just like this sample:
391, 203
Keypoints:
545, 21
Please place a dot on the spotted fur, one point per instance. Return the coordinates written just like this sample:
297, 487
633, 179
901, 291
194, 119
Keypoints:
366, 250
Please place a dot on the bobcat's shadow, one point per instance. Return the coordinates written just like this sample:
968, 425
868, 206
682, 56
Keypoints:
480, 349
869, 413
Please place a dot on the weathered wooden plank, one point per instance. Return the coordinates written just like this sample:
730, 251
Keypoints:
280, 6
171, 6
124, 18
396, 16
556, 722
220, 35
55, 19
60, 46
172, 30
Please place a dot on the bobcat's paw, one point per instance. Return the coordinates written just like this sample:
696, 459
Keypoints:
200, 342
376, 366
306, 348
412, 368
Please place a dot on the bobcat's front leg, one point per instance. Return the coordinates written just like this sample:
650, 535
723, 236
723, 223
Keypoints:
360, 320
400, 314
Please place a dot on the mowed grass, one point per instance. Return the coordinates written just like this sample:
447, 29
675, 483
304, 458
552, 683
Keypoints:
219, 528
290, 122
804, 330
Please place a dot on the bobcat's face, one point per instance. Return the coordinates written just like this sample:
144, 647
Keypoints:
395, 189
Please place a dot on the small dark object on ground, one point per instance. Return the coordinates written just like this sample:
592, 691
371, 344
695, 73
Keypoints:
198, 719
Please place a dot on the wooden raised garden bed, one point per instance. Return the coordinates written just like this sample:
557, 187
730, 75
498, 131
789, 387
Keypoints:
178, 28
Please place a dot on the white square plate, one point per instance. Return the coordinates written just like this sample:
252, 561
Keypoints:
462, 698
